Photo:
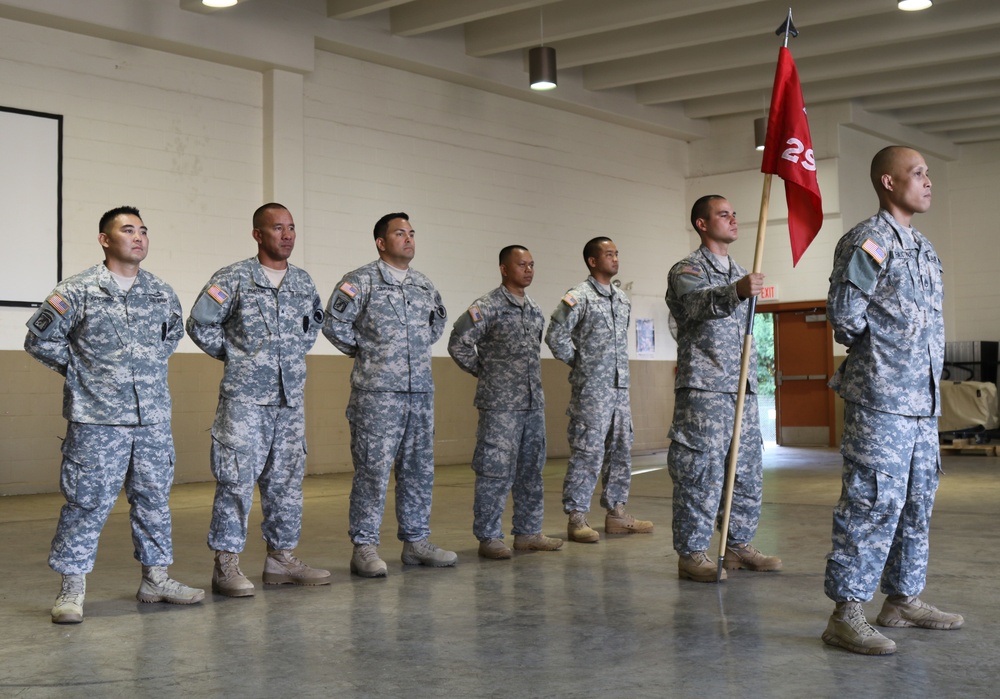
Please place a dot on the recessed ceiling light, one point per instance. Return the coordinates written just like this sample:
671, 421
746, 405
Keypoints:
208, 6
914, 5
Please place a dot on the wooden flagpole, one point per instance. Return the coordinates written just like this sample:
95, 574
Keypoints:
758, 257
734, 447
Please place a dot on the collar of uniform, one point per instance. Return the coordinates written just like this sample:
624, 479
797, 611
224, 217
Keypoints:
260, 277
710, 258
511, 299
600, 289
384, 270
108, 283
905, 241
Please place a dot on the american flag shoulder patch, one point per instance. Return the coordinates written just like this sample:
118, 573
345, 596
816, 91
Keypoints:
475, 314
874, 249
217, 293
693, 270
569, 300
58, 303
349, 289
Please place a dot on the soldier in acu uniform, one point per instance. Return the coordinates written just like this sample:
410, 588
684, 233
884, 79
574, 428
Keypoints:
260, 317
498, 341
885, 305
387, 315
110, 330
589, 332
707, 295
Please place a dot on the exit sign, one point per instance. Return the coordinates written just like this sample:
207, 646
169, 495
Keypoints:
768, 293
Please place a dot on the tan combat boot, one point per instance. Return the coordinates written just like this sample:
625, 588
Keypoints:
424, 553
494, 549
282, 567
617, 521
746, 556
536, 542
157, 586
578, 530
68, 608
227, 578
899, 610
366, 562
849, 629
698, 566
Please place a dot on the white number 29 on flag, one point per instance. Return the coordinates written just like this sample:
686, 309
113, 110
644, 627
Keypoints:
808, 160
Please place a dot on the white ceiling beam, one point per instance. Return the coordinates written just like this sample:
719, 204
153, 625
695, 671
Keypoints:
955, 125
891, 130
963, 29
578, 18
939, 112
974, 135
349, 9
964, 90
922, 84
757, 20
425, 16
915, 56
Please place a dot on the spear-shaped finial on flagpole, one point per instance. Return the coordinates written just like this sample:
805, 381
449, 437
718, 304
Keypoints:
787, 28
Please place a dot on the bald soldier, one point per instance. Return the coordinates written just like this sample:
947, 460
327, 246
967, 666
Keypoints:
885, 305
259, 316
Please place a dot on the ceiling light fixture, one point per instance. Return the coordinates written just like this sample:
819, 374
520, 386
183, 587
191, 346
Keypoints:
208, 6
913, 5
542, 67
542, 61
759, 132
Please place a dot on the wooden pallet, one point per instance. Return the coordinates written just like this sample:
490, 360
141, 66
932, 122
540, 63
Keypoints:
958, 446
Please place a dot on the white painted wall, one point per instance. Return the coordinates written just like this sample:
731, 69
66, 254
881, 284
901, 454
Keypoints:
177, 137
972, 272
184, 140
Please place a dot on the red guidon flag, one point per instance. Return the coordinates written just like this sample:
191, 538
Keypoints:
788, 154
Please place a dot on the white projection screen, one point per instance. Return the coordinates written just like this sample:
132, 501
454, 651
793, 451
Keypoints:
31, 199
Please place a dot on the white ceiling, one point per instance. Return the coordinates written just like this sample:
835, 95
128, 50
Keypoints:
665, 66
676, 63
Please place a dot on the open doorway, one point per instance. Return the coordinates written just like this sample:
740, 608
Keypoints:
763, 337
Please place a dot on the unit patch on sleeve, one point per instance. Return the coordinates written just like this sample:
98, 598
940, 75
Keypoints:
42, 321
217, 293
58, 303
874, 249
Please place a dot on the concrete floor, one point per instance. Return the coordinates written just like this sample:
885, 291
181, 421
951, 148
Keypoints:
606, 619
